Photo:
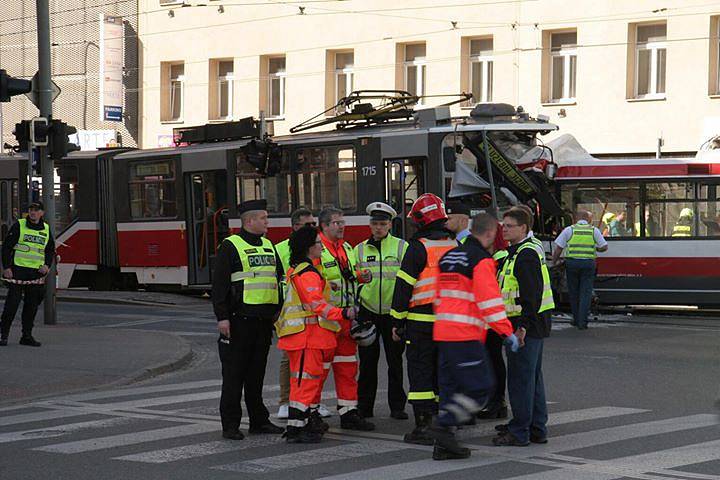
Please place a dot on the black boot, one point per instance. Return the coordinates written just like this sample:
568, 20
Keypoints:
316, 423
445, 439
353, 421
440, 453
3, 342
421, 434
29, 341
497, 410
301, 435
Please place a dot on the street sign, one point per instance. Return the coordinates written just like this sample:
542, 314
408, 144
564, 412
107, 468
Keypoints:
33, 94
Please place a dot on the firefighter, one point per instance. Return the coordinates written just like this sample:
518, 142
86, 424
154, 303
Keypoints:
528, 298
469, 304
27, 254
458, 222
381, 254
246, 298
307, 330
684, 225
337, 266
298, 219
412, 309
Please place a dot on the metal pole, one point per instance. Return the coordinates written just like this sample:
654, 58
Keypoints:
488, 165
48, 179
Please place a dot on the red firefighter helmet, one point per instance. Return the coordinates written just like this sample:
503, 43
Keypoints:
427, 208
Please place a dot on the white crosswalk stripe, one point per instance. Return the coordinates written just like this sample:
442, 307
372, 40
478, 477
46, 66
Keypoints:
186, 452
61, 430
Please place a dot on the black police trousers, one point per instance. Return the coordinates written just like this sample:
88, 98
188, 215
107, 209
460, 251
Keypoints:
422, 360
244, 357
494, 346
33, 298
369, 359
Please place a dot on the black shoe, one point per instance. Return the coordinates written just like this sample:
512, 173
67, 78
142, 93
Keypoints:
493, 412
366, 413
316, 423
303, 436
538, 438
445, 438
399, 415
30, 342
3, 342
507, 439
353, 421
233, 434
440, 453
582, 327
503, 427
269, 428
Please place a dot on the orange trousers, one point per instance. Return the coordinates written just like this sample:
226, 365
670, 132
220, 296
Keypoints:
345, 369
307, 376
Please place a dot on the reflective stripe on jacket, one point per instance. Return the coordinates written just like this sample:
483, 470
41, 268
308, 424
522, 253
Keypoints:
582, 242
342, 287
259, 272
511, 289
384, 265
424, 290
30, 247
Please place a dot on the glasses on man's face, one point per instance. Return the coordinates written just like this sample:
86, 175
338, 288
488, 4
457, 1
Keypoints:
338, 223
307, 224
510, 225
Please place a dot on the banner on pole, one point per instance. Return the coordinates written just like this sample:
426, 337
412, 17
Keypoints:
111, 68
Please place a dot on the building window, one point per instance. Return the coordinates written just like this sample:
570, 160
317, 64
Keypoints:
276, 86
650, 60
481, 69
344, 76
152, 190
415, 67
563, 66
172, 91
225, 82
714, 56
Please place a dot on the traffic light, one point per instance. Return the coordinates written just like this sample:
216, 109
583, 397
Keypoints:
59, 143
256, 153
9, 86
22, 135
39, 131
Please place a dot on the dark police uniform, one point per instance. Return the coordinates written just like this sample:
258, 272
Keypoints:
26, 247
246, 292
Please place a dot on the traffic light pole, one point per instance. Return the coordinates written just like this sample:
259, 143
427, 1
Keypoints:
48, 179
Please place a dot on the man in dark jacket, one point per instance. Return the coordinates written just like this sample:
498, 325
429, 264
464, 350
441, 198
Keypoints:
27, 254
246, 299
525, 285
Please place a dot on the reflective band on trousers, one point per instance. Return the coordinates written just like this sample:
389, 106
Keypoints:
421, 395
581, 243
304, 375
510, 287
258, 274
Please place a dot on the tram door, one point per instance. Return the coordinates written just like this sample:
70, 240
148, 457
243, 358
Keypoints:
9, 205
207, 221
405, 182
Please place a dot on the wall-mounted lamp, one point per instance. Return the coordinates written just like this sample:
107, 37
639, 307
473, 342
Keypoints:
562, 113
221, 9
171, 13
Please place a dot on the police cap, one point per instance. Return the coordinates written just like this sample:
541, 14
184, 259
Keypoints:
380, 211
38, 205
252, 205
457, 207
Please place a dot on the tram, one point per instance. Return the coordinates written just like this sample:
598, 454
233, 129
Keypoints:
661, 218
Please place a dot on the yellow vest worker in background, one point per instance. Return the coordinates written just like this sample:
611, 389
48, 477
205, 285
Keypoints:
301, 217
381, 254
412, 309
28, 251
337, 266
580, 242
246, 298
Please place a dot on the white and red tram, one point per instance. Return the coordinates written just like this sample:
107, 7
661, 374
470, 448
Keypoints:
638, 203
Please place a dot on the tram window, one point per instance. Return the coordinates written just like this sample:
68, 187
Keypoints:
276, 190
152, 190
327, 177
66, 195
615, 207
708, 208
670, 219
3, 202
670, 191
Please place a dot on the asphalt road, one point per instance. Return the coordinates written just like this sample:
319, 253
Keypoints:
629, 400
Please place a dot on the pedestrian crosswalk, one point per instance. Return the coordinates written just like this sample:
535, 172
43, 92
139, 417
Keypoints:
155, 427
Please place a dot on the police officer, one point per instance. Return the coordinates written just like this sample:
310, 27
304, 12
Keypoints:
381, 254
412, 309
469, 305
27, 254
527, 294
337, 266
299, 218
246, 298
458, 222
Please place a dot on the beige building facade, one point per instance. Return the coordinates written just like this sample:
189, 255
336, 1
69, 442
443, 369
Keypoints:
623, 77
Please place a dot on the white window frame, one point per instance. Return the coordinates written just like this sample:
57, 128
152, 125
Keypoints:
717, 57
421, 64
281, 76
653, 47
349, 80
181, 81
230, 80
566, 54
484, 60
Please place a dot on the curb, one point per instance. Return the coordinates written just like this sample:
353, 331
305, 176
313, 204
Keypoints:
143, 374
110, 301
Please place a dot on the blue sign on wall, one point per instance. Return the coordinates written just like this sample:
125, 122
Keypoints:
112, 114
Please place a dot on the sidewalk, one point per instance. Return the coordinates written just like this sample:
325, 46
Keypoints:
125, 298
79, 358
